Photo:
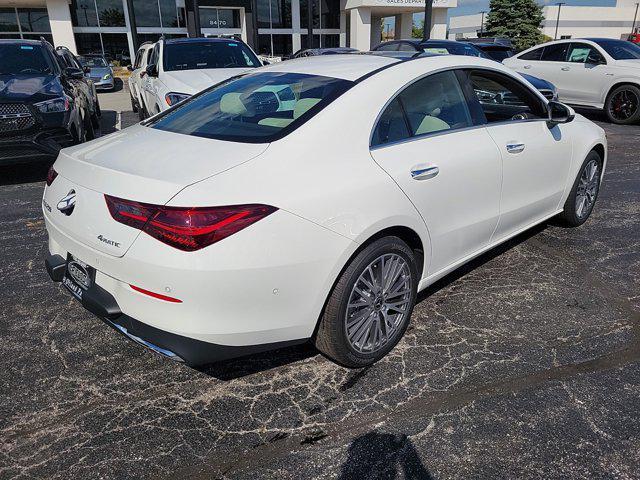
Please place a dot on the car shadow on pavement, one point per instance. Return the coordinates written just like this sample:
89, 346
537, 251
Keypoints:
243, 366
24, 173
383, 456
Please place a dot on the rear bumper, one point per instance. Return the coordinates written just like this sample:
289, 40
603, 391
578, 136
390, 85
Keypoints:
175, 347
41, 145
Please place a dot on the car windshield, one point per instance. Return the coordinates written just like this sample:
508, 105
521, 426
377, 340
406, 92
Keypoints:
257, 108
620, 49
17, 59
93, 62
207, 54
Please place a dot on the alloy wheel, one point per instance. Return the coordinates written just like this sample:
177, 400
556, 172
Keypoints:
624, 105
378, 304
588, 186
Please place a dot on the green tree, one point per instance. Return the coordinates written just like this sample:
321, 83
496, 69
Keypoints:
417, 32
519, 20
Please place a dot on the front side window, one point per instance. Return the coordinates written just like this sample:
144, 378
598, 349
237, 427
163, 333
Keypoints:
620, 50
17, 59
583, 53
432, 104
199, 55
257, 108
555, 53
504, 99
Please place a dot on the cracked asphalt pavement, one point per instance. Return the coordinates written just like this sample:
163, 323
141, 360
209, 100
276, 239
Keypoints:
524, 364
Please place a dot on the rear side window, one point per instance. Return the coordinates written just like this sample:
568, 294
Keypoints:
256, 108
432, 104
388, 47
555, 53
532, 55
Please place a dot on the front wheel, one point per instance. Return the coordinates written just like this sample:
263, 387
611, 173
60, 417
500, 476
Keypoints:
623, 105
369, 308
584, 193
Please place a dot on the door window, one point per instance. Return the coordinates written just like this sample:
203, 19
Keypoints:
406, 47
387, 47
584, 53
504, 99
430, 105
555, 53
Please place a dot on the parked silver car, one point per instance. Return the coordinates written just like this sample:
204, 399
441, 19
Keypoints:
99, 71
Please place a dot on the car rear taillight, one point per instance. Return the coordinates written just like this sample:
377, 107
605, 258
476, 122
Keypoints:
186, 228
51, 176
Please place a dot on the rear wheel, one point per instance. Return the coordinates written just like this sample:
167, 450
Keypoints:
95, 118
584, 193
134, 106
90, 133
369, 308
623, 105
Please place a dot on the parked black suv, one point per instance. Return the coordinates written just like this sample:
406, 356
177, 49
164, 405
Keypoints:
42, 107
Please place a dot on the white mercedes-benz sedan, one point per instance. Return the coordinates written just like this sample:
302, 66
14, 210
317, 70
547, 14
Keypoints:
311, 199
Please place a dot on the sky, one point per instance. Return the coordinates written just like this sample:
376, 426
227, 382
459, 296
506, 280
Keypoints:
469, 7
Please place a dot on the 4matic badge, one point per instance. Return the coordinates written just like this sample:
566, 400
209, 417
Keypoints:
109, 242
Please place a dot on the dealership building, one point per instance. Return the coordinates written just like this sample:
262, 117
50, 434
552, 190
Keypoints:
272, 27
573, 21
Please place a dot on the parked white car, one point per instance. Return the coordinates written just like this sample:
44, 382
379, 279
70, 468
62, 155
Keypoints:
246, 224
138, 72
596, 73
179, 68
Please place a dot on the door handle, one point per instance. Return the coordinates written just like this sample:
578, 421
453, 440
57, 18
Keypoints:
515, 147
565, 69
527, 67
424, 172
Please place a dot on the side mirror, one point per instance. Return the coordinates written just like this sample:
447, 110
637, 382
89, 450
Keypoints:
74, 73
86, 69
152, 70
130, 68
266, 62
559, 113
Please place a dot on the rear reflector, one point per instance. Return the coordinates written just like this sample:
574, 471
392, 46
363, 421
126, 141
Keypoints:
156, 295
186, 228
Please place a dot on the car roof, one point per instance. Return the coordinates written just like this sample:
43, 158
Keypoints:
491, 46
354, 67
345, 66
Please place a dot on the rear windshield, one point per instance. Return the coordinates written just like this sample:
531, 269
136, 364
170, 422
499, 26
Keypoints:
93, 62
499, 54
16, 59
620, 49
452, 49
257, 108
197, 55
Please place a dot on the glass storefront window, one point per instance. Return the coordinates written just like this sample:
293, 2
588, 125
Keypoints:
170, 14
147, 13
110, 13
282, 45
219, 17
274, 14
330, 14
331, 41
116, 48
304, 43
34, 20
8, 20
88, 43
36, 36
83, 13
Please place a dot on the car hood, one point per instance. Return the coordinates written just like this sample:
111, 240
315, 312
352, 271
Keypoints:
29, 87
194, 81
628, 63
149, 165
539, 83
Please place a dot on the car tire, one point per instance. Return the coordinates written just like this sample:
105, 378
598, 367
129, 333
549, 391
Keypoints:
584, 192
95, 118
353, 330
623, 105
90, 133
